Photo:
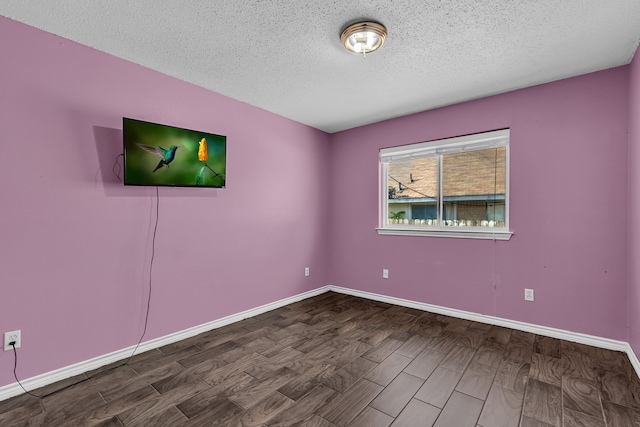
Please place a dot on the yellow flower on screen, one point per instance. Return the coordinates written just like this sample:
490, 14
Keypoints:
202, 150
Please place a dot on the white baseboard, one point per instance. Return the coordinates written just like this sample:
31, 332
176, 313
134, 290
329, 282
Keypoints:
47, 378
633, 359
498, 321
14, 389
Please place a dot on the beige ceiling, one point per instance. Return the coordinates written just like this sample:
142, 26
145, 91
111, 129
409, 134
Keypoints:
285, 56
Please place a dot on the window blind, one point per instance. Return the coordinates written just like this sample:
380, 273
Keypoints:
498, 138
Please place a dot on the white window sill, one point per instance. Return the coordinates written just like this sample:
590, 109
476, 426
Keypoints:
455, 232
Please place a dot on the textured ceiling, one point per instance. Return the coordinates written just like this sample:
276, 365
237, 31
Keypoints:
285, 56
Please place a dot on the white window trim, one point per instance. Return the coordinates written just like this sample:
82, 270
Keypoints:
499, 138
468, 233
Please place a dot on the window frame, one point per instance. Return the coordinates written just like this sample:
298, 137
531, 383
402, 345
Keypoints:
439, 148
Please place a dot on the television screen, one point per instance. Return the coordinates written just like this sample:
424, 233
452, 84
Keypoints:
161, 155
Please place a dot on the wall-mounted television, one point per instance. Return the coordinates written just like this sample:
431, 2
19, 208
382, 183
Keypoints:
162, 155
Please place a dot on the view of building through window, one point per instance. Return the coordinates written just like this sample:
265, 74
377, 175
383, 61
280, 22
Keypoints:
473, 189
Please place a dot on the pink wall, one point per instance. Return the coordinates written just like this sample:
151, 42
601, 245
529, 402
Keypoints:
634, 204
568, 210
76, 244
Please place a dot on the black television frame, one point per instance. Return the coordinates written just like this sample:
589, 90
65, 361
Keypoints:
142, 141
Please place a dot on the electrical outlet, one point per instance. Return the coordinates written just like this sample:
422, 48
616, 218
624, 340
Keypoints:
12, 336
385, 273
528, 294
306, 271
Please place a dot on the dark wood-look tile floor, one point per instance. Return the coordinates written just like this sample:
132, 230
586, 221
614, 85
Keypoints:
338, 360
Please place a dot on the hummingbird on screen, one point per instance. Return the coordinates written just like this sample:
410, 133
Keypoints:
166, 156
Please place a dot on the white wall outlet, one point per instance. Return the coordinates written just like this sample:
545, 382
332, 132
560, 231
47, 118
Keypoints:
385, 273
306, 271
10, 337
528, 294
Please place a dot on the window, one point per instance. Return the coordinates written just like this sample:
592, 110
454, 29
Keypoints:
455, 187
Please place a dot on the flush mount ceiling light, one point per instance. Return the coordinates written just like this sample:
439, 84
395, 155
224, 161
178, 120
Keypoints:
363, 37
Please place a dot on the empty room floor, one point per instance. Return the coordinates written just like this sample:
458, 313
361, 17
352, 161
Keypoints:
341, 360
